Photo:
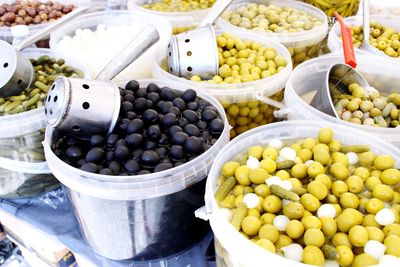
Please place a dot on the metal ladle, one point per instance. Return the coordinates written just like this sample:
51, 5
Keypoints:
87, 107
16, 71
339, 76
195, 52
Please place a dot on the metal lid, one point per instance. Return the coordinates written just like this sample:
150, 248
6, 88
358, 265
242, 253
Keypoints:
56, 103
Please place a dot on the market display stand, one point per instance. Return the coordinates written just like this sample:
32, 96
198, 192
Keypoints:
34, 225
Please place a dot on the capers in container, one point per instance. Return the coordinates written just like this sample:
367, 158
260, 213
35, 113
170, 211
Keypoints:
328, 213
47, 69
179, 5
370, 109
344, 8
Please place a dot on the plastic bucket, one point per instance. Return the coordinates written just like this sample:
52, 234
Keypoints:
22, 134
140, 217
335, 39
302, 45
234, 250
310, 77
6, 33
260, 92
139, 69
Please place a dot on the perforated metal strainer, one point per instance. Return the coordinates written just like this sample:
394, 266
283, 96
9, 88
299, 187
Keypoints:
16, 71
195, 52
87, 107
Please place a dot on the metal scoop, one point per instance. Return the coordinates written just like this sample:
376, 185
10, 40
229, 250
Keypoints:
16, 71
340, 76
195, 52
87, 107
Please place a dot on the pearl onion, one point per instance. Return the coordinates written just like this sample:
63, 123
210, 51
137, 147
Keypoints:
253, 163
276, 143
279, 159
308, 162
375, 249
326, 210
280, 222
331, 264
293, 252
352, 158
273, 180
286, 185
385, 216
288, 153
251, 200
286, 202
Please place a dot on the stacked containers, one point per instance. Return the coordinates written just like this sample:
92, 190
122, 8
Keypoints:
24, 172
262, 95
311, 76
302, 45
233, 249
86, 25
142, 217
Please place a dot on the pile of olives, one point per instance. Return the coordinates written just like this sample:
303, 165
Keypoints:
315, 200
157, 129
179, 5
368, 109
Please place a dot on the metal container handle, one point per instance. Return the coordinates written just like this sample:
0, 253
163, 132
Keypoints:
50, 28
215, 12
143, 41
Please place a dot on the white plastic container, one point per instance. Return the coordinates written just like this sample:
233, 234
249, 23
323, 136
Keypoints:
387, 7
7, 34
234, 250
335, 37
268, 91
142, 217
309, 77
141, 68
302, 45
22, 176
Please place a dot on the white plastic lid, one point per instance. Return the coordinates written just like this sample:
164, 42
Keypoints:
139, 186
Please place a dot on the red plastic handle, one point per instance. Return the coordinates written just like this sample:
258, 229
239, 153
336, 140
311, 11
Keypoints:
348, 47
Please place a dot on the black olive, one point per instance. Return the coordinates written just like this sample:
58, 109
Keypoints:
122, 91
179, 138
206, 147
216, 126
179, 103
190, 115
206, 135
132, 166
178, 163
162, 151
208, 115
81, 162
131, 115
192, 130
175, 110
163, 139
114, 166
153, 132
160, 104
141, 92
129, 97
112, 139
137, 153
106, 171
120, 142
89, 167
125, 121
192, 106
189, 95
143, 172
202, 125
182, 122
109, 155
149, 158
211, 107
150, 116
123, 126
166, 106
167, 94
72, 141
134, 140
135, 126
193, 145
149, 103
132, 85
203, 104
140, 104
126, 106
174, 129
74, 152
150, 145
154, 97
95, 154
152, 88
163, 166
177, 152
121, 152
169, 119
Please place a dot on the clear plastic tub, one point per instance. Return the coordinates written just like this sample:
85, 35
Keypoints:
181, 21
234, 250
23, 170
302, 45
335, 37
141, 68
140, 217
310, 77
264, 94
7, 34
